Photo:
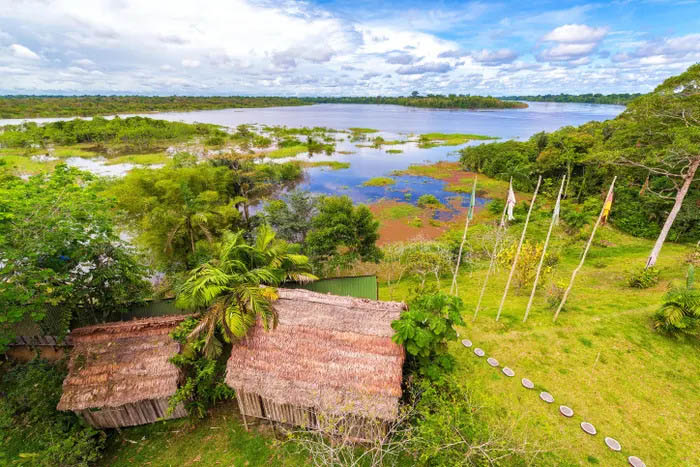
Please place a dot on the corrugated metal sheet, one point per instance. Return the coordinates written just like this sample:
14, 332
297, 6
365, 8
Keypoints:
356, 286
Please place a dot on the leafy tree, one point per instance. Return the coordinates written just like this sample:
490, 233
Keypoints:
60, 257
178, 213
342, 233
236, 287
660, 134
426, 328
291, 217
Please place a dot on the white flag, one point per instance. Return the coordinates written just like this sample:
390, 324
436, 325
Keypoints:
510, 202
555, 214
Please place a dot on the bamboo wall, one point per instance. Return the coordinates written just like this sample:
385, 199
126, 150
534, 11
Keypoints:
140, 413
356, 427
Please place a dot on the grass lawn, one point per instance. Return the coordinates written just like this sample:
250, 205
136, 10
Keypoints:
219, 439
602, 358
24, 165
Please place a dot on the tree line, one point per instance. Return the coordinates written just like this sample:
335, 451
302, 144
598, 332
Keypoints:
618, 99
434, 101
87, 106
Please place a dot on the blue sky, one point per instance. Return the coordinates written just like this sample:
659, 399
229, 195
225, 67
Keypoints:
289, 47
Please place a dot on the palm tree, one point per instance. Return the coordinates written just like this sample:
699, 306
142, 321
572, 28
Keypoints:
680, 312
237, 287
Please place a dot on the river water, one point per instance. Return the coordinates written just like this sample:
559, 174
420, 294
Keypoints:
394, 122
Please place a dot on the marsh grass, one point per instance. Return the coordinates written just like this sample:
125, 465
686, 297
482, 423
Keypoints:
379, 181
140, 159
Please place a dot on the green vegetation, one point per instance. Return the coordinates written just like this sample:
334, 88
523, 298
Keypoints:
429, 201
32, 431
431, 140
398, 211
88, 106
140, 159
333, 165
362, 130
425, 330
60, 246
649, 147
434, 101
136, 134
680, 312
619, 99
394, 151
379, 181
288, 151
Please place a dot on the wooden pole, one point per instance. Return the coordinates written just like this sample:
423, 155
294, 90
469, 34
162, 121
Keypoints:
517, 252
585, 252
500, 230
544, 251
453, 288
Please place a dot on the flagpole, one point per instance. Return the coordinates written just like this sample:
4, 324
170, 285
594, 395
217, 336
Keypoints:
555, 215
470, 212
501, 228
585, 252
517, 253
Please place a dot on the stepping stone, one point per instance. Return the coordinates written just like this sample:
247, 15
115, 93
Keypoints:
479, 352
636, 461
528, 384
566, 411
588, 428
492, 361
613, 444
547, 397
508, 372
467, 343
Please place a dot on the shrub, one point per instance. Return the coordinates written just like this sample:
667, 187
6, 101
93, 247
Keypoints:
30, 422
528, 260
450, 429
643, 278
425, 329
555, 294
680, 312
428, 201
204, 377
216, 140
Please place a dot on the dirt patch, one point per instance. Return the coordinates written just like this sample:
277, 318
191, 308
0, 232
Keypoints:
416, 224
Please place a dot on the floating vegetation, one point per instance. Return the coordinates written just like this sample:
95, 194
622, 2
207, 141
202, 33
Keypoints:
362, 130
140, 159
429, 201
431, 140
333, 165
394, 151
380, 181
289, 151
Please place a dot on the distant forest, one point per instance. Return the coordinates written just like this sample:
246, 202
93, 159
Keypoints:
619, 99
433, 101
87, 106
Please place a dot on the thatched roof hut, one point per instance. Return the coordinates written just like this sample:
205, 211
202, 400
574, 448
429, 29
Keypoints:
119, 374
328, 355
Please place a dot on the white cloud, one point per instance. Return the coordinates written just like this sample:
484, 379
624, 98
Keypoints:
563, 52
189, 63
576, 34
494, 57
84, 62
21, 51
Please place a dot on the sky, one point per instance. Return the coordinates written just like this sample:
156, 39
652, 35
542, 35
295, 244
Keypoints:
334, 48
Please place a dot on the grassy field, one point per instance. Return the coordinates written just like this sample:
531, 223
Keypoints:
602, 358
219, 439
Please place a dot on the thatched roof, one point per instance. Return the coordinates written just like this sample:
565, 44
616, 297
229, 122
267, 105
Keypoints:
328, 352
119, 363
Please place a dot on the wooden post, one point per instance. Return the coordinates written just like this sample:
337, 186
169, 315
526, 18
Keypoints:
583, 257
500, 230
517, 252
453, 288
544, 251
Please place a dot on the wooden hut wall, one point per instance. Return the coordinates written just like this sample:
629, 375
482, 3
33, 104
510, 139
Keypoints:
139, 413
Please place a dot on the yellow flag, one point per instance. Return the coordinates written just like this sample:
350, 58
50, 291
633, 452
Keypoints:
606, 208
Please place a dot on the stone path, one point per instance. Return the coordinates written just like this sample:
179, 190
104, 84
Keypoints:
568, 412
